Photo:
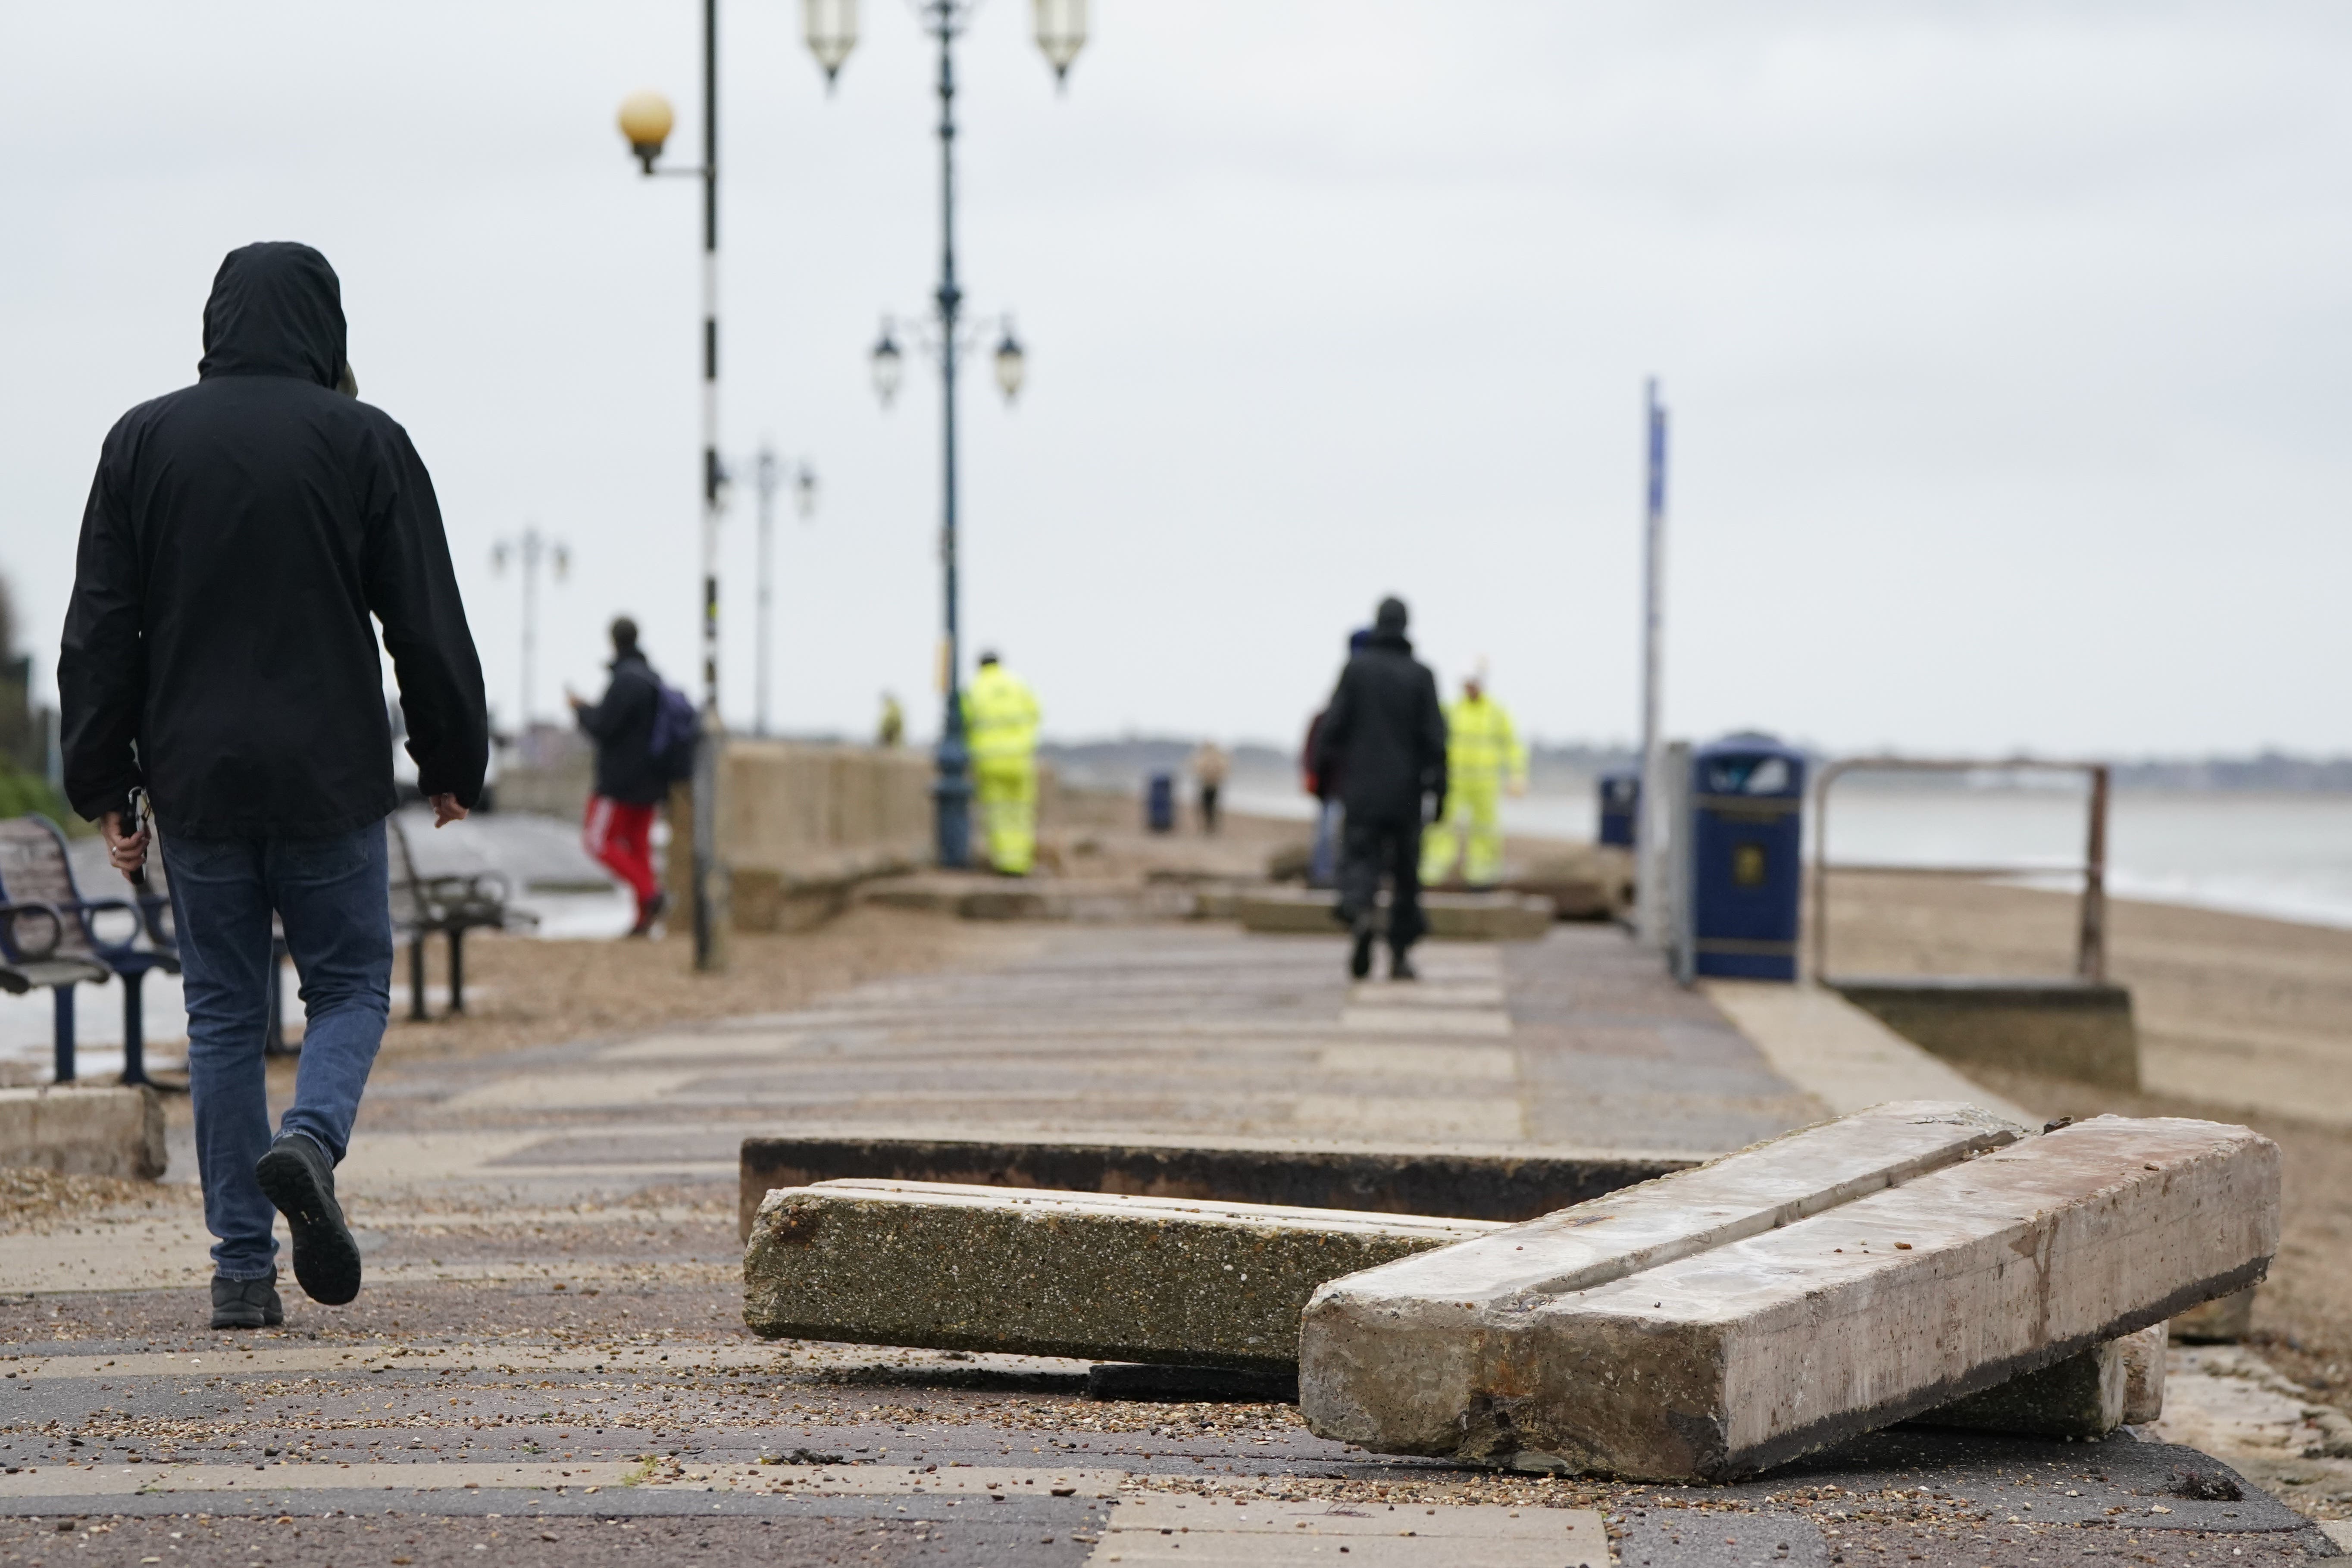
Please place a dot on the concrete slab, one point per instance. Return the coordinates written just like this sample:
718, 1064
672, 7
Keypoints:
1730, 1357
1069, 1273
2061, 1028
1452, 916
1513, 1184
1402, 1359
1840, 1054
80, 1132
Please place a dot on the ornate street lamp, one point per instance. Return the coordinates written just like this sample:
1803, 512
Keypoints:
1061, 33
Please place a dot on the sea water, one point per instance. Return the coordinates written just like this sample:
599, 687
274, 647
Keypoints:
2288, 857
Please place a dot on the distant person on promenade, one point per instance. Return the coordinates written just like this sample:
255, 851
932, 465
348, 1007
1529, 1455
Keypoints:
1483, 757
1210, 766
893, 727
1382, 747
632, 775
999, 720
1323, 858
218, 654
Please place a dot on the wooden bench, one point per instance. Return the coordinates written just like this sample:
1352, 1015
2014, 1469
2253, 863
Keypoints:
452, 903
50, 936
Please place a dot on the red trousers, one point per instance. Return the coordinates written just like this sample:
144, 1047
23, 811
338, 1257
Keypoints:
621, 838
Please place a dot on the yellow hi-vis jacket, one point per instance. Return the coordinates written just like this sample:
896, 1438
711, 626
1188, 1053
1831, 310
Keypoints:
1480, 744
1000, 716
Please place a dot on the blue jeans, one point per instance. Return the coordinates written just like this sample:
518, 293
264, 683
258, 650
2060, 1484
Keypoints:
332, 896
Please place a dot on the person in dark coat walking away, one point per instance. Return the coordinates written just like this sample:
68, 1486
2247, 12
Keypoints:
630, 783
239, 535
1381, 744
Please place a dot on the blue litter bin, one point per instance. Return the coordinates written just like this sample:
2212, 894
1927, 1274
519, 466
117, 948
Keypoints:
1160, 803
1748, 798
1620, 807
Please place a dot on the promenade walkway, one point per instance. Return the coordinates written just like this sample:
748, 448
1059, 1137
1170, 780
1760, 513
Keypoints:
549, 1362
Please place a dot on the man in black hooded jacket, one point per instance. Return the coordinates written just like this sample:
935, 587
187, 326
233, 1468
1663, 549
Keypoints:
239, 537
1383, 737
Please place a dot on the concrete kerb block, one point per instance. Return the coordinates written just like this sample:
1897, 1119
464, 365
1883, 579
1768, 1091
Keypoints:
83, 1131
1102, 1277
1452, 916
1673, 1354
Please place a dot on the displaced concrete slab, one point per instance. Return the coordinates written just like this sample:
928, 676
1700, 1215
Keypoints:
1509, 1186
1674, 1355
83, 1131
1101, 1278
1400, 1360
1453, 917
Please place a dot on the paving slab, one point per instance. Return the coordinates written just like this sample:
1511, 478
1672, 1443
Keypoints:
1105, 1277
1732, 1356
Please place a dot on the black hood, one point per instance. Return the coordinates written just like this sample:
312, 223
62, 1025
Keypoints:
277, 309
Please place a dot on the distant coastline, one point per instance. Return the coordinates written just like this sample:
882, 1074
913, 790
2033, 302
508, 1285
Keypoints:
1122, 763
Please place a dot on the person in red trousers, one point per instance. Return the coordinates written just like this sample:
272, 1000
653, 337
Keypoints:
630, 781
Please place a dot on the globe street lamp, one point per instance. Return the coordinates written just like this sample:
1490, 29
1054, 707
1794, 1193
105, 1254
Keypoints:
1061, 33
646, 120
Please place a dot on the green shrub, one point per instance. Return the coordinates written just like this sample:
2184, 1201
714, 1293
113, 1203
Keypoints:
21, 792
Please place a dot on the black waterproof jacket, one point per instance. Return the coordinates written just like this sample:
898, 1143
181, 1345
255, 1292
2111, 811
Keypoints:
238, 536
623, 728
1383, 736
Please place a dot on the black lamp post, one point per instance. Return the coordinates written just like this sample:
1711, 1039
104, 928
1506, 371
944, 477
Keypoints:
830, 26
646, 120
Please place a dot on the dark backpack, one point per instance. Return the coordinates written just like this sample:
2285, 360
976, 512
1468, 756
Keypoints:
675, 729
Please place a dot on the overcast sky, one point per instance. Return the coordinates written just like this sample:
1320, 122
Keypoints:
2007, 344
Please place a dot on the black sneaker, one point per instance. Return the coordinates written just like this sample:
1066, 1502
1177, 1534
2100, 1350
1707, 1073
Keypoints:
295, 1176
246, 1303
1359, 962
1400, 966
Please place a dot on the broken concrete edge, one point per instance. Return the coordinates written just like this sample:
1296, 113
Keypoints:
1087, 1276
75, 1130
1506, 1185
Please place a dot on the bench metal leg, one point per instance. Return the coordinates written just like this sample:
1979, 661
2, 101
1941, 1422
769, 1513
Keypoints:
135, 1027
64, 1032
456, 969
416, 1012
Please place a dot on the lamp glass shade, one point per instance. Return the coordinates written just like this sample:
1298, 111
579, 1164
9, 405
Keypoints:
646, 120
830, 29
1061, 32
1011, 365
889, 368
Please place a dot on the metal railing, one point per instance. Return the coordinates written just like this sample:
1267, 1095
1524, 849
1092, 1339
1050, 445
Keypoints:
2091, 942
